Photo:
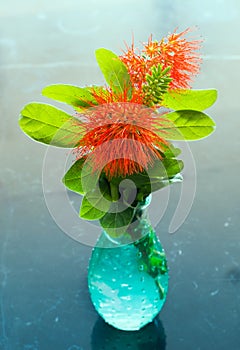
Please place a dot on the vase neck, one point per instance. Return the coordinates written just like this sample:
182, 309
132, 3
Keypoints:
138, 227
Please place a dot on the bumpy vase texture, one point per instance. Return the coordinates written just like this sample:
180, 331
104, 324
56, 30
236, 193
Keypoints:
128, 281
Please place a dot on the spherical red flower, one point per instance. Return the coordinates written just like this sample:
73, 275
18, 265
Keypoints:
120, 137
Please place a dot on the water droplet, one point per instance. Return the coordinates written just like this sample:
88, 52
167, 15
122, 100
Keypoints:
124, 285
126, 297
215, 292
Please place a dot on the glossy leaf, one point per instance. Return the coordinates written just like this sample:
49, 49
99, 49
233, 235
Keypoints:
50, 125
104, 187
197, 100
154, 178
172, 152
186, 125
157, 185
114, 71
80, 177
161, 170
163, 173
115, 223
94, 206
72, 95
172, 166
72, 179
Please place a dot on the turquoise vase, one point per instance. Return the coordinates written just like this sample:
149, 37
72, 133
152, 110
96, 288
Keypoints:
128, 275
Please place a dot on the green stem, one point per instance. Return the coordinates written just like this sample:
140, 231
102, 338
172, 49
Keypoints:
154, 262
114, 192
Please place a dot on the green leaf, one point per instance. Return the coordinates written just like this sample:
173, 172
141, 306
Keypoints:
154, 178
161, 170
189, 99
50, 125
115, 223
172, 166
186, 125
104, 187
94, 206
72, 179
172, 152
82, 179
72, 95
158, 176
157, 185
169, 151
114, 71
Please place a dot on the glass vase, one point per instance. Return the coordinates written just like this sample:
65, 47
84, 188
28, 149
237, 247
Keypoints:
128, 275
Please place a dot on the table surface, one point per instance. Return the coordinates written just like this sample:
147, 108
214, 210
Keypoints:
44, 300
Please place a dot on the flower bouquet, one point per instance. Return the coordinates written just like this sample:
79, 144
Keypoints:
121, 135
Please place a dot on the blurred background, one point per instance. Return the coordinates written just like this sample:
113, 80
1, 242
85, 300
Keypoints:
44, 301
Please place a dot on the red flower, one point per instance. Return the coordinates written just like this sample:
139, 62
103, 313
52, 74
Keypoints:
175, 52
120, 137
